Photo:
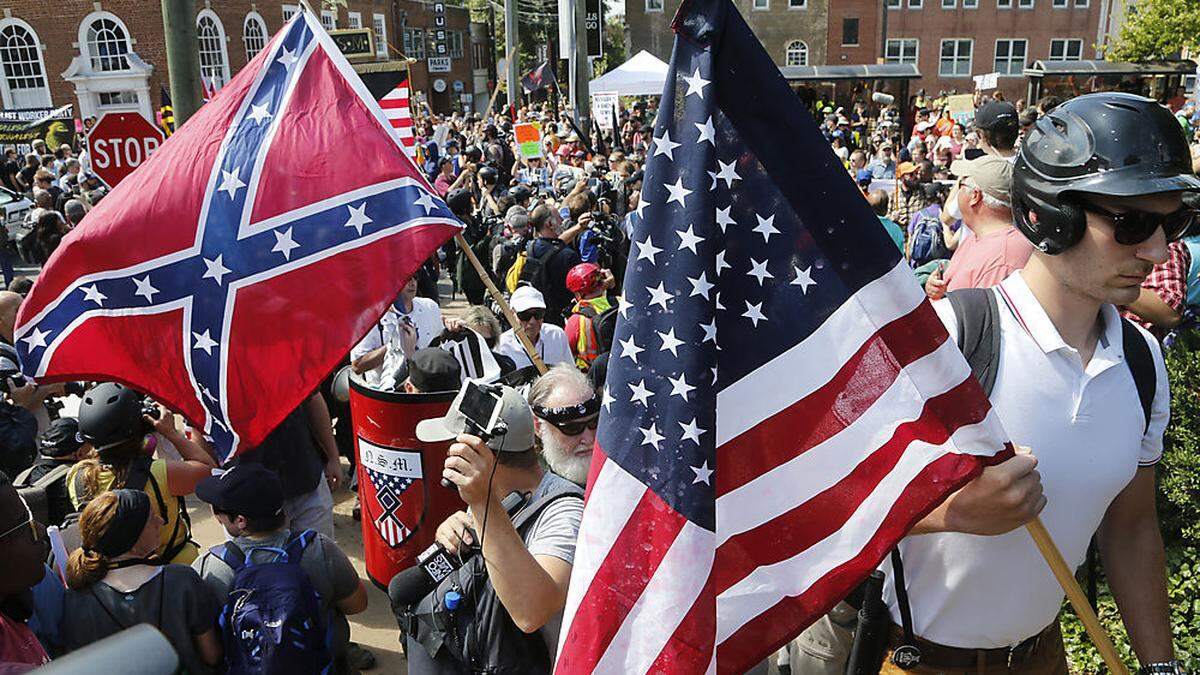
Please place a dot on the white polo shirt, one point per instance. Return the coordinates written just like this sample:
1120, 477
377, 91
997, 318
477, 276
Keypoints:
552, 346
425, 315
1087, 429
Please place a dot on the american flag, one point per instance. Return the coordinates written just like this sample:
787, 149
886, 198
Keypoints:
396, 108
388, 492
782, 404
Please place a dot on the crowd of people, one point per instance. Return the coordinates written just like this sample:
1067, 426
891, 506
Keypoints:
1007, 200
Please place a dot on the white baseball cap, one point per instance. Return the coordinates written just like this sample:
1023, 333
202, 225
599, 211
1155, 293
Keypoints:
527, 297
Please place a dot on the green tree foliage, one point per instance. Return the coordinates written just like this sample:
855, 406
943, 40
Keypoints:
1179, 516
1158, 29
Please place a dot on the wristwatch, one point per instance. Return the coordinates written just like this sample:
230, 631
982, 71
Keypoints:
1162, 668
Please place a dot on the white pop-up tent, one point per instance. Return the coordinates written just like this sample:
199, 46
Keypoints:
642, 75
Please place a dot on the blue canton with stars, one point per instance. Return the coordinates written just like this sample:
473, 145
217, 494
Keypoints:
230, 252
732, 262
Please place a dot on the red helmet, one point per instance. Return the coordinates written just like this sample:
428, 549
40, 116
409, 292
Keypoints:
584, 278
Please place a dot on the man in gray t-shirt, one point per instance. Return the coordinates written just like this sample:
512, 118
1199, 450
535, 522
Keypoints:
248, 502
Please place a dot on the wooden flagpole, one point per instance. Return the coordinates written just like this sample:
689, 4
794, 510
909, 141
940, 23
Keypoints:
503, 304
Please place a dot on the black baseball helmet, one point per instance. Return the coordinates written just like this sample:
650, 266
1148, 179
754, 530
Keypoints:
109, 414
1107, 143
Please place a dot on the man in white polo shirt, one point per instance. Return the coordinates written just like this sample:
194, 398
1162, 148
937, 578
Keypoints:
548, 340
982, 598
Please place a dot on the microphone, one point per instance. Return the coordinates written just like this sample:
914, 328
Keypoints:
408, 587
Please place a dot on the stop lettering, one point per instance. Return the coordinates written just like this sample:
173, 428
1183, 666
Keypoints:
120, 143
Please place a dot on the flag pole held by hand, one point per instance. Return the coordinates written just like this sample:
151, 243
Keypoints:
504, 307
1079, 601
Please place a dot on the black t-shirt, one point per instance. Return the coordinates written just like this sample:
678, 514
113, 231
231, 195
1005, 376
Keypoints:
558, 297
27, 174
291, 452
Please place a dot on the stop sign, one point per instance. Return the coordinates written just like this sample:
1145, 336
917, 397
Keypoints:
119, 143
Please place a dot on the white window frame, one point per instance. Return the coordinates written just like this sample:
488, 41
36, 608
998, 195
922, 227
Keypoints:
219, 75
1025, 4
916, 4
802, 49
970, 4
654, 6
354, 19
85, 45
329, 19
29, 96
379, 26
957, 57
1066, 44
760, 5
797, 4
413, 42
900, 44
255, 18
456, 44
894, 4
949, 4
289, 11
1004, 4
1082, 4
126, 99
1011, 42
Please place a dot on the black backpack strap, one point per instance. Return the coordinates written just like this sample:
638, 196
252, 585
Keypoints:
296, 545
182, 518
231, 554
978, 317
1141, 366
534, 508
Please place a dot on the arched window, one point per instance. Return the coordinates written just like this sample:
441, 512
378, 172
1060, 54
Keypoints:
254, 34
24, 84
797, 53
108, 45
214, 61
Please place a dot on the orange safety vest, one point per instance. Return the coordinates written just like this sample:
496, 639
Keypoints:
587, 346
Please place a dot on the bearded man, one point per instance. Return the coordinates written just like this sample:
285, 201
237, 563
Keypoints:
565, 413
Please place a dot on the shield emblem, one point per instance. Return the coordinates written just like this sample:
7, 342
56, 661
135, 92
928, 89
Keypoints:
392, 490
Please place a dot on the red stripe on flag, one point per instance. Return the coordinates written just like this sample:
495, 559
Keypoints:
619, 581
393, 103
690, 647
834, 406
775, 627
812, 521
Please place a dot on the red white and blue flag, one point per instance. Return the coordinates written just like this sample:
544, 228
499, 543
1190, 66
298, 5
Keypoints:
398, 109
233, 270
782, 403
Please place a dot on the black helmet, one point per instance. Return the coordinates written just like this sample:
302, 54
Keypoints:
487, 174
1106, 144
110, 413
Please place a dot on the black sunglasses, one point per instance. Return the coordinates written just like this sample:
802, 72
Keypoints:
576, 427
1134, 227
531, 314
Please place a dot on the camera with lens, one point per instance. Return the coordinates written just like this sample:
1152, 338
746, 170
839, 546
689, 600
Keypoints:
10, 375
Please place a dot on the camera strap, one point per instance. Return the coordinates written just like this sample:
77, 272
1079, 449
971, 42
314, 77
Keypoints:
906, 656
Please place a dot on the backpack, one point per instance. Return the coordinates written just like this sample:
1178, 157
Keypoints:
928, 242
272, 621
596, 331
35, 493
534, 270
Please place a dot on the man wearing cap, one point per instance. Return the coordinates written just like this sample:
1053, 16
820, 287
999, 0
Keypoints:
883, 167
998, 126
548, 340
528, 567
59, 448
996, 249
247, 500
908, 198
432, 370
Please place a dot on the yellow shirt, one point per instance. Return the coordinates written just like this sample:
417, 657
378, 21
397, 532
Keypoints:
158, 473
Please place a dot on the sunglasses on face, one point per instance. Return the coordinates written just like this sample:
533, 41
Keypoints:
1134, 227
576, 427
531, 314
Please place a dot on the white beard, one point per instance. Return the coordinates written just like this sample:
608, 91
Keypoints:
563, 460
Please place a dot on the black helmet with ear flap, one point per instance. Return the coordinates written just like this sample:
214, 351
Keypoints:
111, 413
1107, 143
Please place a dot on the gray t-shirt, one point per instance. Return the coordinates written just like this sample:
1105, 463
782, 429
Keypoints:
553, 533
330, 571
186, 609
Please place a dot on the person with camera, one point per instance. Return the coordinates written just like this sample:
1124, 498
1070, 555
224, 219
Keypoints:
555, 258
411, 323
59, 448
501, 611
123, 432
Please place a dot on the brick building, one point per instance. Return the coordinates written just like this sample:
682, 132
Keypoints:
793, 31
110, 55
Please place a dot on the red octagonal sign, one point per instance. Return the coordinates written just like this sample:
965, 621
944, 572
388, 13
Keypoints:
119, 143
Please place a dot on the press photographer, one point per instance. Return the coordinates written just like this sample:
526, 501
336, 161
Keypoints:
500, 610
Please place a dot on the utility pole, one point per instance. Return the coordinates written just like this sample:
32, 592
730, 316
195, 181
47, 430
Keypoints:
183, 57
581, 69
512, 65
883, 21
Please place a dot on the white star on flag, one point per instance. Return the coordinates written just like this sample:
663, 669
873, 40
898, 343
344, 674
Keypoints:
258, 113
680, 387
664, 146
358, 217
707, 132
712, 175
629, 349
669, 341
607, 399
144, 288
215, 269
710, 331
803, 279
651, 436
678, 192
660, 295
203, 342
700, 285
642, 202
692, 431
688, 239
766, 226
425, 201
230, 182
721, 264
696, 84
758, 270
703, 473
36, 339
640, 393
723, 218
284, 244
647, 250
754, 313
727, 173
93, 293
287, 58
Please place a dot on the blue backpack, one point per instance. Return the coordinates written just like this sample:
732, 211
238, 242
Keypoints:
928, 242
272, 620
